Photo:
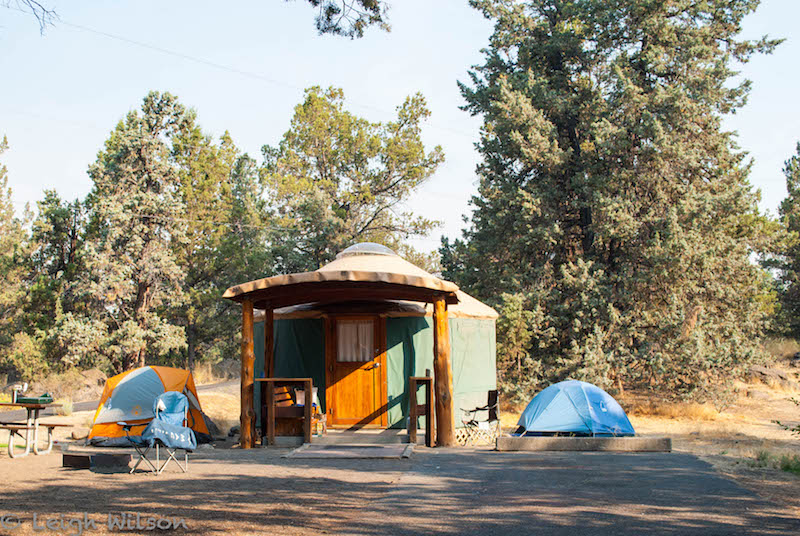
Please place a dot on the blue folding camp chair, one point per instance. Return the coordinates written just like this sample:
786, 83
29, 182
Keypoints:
167, 429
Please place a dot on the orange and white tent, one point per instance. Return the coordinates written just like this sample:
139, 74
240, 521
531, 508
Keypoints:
129, 397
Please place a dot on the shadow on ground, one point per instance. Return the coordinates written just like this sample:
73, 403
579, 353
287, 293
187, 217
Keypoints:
436, 491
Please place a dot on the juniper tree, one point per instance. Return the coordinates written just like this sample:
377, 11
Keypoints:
225, 237
336, 178
788, 264
136, 216
610, 196
18, 352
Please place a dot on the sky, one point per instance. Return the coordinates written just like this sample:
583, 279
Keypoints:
243, 67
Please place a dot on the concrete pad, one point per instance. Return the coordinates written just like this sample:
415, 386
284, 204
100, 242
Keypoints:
606, 444
352, 451
88, 461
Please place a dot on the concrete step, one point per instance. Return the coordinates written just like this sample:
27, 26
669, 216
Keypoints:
362, 437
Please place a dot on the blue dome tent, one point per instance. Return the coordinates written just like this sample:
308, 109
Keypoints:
574, 408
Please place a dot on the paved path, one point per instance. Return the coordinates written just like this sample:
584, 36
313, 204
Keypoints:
440, 491
577, 493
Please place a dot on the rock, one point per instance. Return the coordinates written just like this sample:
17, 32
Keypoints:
205, 446
794, 361
757, 395
227, 368
95, 376
771, 376
233, 431
80, 433
213, 429
764, 374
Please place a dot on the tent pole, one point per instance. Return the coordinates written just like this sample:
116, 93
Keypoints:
247, 414
443, 375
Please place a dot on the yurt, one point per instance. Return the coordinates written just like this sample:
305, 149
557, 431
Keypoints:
359, 327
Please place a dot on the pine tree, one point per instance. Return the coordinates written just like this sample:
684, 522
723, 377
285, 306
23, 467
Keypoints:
610, 197
226, 238
789, 263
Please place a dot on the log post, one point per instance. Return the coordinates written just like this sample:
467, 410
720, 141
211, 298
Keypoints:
443, 376
269, 342
247, 414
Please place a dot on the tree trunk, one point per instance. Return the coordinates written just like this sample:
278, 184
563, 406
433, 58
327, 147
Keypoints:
191, 337
443, 376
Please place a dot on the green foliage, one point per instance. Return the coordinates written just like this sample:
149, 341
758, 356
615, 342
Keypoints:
787, 462
135, 218
134, 273
611, 198
787, 260
226, 238
336, 179
793, 429
24, 355
763, 458
518, 374
13, 251
54, 263
790, 463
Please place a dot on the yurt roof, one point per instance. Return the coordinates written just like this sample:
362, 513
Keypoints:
362, 272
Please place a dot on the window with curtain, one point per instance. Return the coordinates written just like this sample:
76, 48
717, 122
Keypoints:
355, 340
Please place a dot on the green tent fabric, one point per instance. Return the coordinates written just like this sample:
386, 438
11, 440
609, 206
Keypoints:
410, 352
300, 353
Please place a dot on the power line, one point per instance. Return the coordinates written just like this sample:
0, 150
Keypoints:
215, 65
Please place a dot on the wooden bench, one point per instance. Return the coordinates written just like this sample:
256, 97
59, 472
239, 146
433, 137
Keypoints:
277, 407
16, 428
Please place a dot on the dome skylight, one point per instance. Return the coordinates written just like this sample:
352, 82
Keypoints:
366, 248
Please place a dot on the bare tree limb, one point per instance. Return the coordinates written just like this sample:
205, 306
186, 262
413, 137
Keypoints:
44, 15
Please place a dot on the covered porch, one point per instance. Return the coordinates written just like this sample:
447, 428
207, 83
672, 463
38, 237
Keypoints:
353, 296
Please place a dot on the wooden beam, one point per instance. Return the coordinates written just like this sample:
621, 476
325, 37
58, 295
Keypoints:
269, 342
412, 410
308, 399
270, 413
247, 414
337, 291
443, 376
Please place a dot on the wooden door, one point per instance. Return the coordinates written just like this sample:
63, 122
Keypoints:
356, 372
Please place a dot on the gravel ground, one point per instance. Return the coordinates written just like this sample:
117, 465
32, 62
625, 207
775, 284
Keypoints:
458, 491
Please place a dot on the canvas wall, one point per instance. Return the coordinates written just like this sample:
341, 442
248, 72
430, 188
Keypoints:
300, 353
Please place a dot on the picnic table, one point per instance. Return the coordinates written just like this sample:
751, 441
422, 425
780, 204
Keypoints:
30, 428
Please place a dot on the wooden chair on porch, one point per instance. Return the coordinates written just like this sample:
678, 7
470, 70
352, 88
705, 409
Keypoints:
287, 414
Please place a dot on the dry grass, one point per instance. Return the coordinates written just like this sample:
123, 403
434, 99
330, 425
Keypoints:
222, 408
690, 411
205, 374
66, 407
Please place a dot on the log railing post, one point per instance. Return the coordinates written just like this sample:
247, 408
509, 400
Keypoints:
247, 413
269, 343
443, 375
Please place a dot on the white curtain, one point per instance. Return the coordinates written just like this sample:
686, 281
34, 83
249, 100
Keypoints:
354, 340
